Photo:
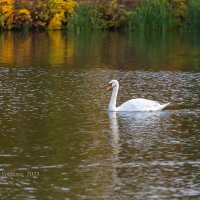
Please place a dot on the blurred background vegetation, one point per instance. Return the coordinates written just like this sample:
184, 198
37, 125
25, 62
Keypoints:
140, 15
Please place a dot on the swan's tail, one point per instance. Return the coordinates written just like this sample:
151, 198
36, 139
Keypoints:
164, 105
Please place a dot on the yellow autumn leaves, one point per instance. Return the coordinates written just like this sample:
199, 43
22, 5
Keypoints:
6, 9
55, 14
58, 9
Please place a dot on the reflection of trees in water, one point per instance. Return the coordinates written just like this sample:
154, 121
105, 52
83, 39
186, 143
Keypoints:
99, 50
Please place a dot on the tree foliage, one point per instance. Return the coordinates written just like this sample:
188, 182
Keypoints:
57, 9
20, 19
6, 9
156, 15
110, 14
51, 14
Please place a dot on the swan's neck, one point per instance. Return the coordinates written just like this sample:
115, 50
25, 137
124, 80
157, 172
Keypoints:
113, 100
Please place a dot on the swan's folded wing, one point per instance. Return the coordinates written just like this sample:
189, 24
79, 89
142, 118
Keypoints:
139, 105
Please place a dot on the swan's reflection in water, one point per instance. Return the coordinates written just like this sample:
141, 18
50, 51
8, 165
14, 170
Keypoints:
138, 130
115, 143
151, 151
114, 133
135, 133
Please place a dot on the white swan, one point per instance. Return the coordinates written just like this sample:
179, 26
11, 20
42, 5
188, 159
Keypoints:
139, 104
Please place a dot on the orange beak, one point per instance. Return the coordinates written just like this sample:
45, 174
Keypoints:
108, 88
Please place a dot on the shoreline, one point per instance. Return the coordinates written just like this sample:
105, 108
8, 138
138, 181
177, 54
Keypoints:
151, 16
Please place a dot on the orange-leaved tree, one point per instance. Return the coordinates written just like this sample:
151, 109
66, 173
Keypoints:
21, 18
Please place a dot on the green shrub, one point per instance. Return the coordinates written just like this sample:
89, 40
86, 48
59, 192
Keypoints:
178, 11
104, 15
109, 14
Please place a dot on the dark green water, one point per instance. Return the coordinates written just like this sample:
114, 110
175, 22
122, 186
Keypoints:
57, 140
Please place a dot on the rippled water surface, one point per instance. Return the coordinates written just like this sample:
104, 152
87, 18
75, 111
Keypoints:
59, 142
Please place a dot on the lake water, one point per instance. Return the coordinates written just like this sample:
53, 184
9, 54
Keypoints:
59, 142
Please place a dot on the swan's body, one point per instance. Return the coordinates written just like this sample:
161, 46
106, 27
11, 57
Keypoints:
139, 104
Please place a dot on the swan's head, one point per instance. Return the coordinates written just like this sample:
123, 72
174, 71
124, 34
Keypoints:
112, 84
